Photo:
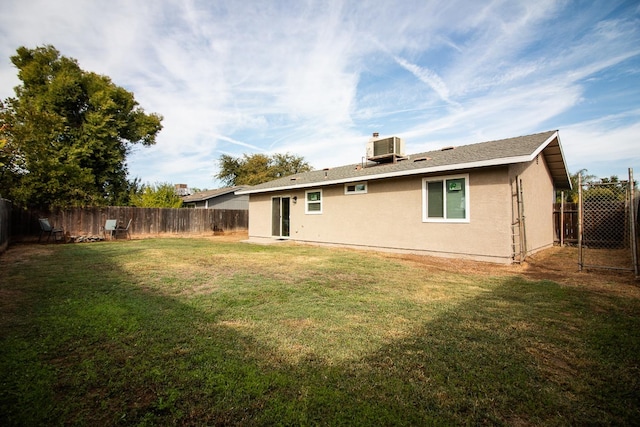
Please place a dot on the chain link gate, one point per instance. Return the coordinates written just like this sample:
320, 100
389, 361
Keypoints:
607, 236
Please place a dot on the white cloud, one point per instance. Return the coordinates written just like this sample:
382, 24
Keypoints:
428, 77
605, 146
315, 78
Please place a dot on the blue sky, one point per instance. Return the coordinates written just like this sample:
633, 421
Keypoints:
317, 78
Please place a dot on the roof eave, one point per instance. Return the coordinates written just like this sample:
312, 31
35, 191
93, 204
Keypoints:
561, 180
213, 195
564, 162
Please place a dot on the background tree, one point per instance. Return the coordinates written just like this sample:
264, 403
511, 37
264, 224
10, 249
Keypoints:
68, 133
258, 168
4, 149
195, 190
571, 196
615, 190
159, 195
610, 188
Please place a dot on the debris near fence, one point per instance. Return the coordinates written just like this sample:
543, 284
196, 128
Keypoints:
85, 239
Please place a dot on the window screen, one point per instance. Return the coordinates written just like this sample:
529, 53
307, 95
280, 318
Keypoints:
446, 199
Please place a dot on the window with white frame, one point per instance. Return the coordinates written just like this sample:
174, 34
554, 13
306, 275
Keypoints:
313, 202
355, 188
445, 199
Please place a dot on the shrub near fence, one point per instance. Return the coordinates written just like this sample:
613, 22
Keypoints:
144, 221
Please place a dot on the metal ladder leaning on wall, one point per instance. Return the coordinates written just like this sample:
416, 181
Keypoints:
518, 231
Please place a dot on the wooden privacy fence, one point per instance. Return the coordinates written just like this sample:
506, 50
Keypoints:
5, 218
565, 222
144, 221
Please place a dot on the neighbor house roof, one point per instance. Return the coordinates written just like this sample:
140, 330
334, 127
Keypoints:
492, 153
210, 194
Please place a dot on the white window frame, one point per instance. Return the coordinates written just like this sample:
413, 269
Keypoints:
355, 185
425, 199
307, 201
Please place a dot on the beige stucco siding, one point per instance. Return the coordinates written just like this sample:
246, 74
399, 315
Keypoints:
537, 198
389, 216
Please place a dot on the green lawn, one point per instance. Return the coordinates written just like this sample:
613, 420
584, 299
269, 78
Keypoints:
200, 332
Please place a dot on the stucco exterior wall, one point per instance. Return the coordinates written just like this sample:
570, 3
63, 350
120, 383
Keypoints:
389, 217
538, 198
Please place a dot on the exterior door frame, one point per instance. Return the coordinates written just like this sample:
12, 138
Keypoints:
281, 217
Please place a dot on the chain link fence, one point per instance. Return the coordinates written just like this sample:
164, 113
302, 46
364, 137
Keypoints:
607, 225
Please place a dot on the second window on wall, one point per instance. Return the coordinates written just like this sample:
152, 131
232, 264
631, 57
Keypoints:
355, 188
313, 202
445, 199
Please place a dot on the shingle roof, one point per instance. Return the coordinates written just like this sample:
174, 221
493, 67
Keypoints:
209, 194
492, 153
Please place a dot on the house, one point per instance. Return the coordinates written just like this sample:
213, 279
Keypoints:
490, 201
222, 198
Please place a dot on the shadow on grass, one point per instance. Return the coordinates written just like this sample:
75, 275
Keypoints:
517, 355
82, 345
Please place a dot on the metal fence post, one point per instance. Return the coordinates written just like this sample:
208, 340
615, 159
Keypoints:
633, 213
580, 260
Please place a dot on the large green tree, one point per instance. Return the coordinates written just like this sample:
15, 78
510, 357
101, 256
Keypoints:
258, 168
66, 134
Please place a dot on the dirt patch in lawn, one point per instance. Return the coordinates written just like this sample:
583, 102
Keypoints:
23, 251
561, 265
557, 264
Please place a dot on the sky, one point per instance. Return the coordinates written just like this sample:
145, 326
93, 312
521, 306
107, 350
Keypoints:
316, 78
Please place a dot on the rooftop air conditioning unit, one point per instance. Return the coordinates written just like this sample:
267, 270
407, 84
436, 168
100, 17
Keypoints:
385, 149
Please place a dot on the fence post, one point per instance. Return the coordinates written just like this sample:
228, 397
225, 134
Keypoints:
562, 219
580, 259
632, 212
